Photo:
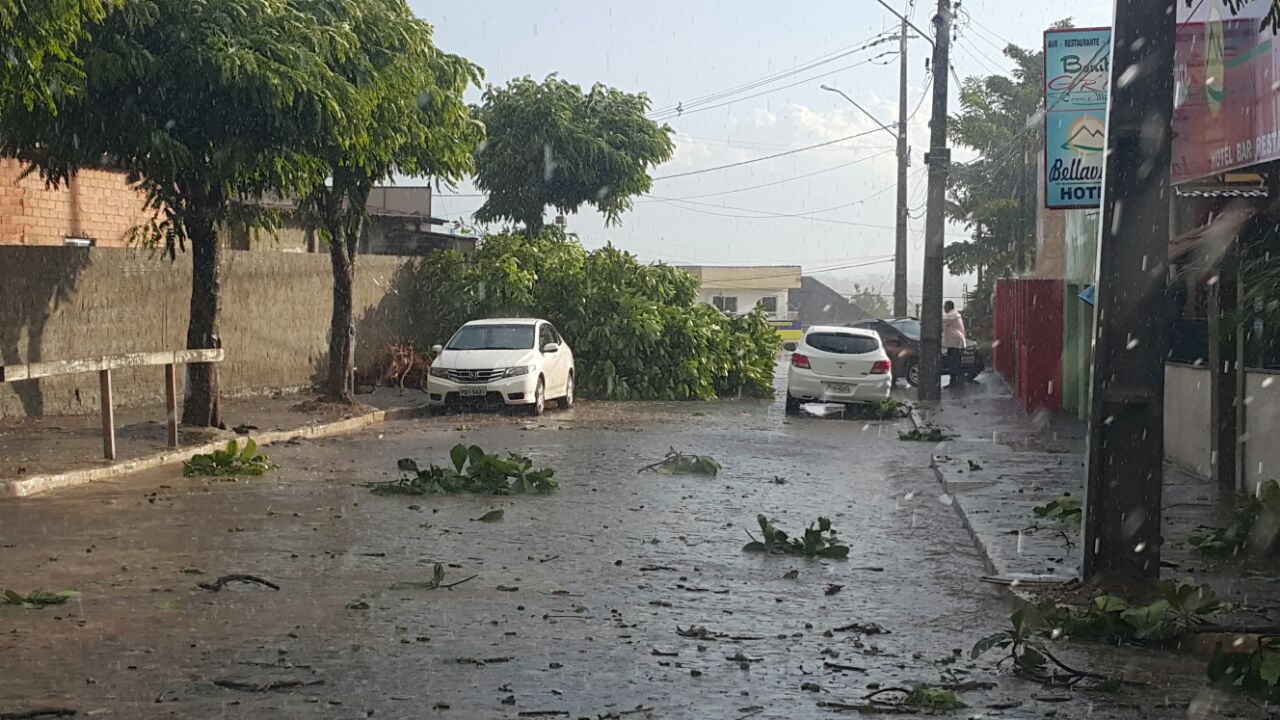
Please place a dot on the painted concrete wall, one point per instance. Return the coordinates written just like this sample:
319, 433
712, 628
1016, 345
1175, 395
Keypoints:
1262, 421
747, 299
1186, 417
61, 303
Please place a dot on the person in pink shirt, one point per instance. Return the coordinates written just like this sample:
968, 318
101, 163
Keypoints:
953, 340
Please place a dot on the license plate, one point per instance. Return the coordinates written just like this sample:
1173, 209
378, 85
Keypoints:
839, 389
472, 392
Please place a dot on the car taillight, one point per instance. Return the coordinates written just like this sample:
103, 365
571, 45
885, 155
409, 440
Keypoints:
880, 368
800, 361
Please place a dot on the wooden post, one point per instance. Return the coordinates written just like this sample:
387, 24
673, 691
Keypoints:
108, 416
171, 403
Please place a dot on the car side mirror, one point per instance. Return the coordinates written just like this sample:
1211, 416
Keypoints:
789, 346
551, 347
437, 349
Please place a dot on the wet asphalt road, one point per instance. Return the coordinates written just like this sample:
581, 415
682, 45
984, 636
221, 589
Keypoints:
577, 596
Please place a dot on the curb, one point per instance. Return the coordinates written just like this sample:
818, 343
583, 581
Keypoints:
44, 483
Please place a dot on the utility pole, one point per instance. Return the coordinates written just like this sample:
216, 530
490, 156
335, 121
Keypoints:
939, 161
900, 244
1122, 516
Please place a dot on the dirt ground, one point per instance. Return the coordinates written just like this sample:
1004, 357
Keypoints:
577, 597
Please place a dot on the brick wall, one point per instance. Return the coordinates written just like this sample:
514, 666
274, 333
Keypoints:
97, 204
61, 303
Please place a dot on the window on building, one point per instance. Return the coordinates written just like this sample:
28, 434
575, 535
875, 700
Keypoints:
769, 304
725, 304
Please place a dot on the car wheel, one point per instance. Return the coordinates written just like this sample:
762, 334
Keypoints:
913, 373
539, 405
566, 402
435, 410
793, 405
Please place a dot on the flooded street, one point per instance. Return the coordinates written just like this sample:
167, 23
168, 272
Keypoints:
576, 599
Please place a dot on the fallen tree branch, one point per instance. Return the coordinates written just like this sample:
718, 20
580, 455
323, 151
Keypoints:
267, 686
38, 713
217, 585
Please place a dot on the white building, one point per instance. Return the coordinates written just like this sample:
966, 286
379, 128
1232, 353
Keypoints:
737, 289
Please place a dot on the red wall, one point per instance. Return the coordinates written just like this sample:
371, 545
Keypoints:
1028, 333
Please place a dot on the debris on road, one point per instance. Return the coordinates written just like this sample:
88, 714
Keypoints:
818, 541
217, 585
230, 461
473, 471
268, 686
677, 463
38, 598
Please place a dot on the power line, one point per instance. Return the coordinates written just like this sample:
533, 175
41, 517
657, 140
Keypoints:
870, 42
747, 144
684, 111
765, 157
769, 214
784, 180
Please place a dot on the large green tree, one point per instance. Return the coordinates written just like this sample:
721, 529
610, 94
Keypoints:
38, 56
994, 196
407, 117
551, 144
205, 103
637, 331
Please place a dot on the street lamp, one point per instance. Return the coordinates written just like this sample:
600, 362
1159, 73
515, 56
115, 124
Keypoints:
900, 229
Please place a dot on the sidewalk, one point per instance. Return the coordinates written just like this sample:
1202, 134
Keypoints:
1002, 463
40, 454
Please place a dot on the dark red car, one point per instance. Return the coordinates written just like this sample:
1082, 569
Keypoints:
901, 338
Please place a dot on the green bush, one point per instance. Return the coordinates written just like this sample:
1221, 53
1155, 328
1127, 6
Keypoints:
637, 331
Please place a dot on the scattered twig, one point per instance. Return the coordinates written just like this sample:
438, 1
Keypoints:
266, 686
872, 695
841, 666
541, 713
483, 661
37, 713
456, 584
217, 585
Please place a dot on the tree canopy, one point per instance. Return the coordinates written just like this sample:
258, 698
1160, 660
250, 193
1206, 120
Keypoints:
551, 144
637, 331
203, 104
38, 56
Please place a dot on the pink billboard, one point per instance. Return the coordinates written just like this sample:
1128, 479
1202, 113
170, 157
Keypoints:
1226, 112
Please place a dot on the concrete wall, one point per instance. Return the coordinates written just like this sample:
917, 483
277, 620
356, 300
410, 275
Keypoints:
96, 204
1186, 417
1261, 451
747, 299
59, 303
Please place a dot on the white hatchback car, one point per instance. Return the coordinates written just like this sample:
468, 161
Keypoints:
502, 362
838, 365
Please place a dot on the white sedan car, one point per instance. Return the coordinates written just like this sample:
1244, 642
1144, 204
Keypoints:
838, 365
502, 362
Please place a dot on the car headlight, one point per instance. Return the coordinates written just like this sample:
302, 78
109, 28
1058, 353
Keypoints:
439, 372
519, 370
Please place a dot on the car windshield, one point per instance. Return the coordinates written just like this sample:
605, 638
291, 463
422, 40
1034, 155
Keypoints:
908, 327
492, 337
842, 343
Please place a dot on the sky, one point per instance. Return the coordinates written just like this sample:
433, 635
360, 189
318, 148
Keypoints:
829, 209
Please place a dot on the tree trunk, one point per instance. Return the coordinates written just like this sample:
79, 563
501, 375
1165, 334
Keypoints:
201, 406
342, 327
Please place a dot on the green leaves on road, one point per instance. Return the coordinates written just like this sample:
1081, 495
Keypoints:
924, 433
1065, 509
472, 471
819, 541
230, 461
38, 598
1254, 527
677, 463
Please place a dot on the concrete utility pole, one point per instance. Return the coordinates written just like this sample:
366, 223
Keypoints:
1126, 433
900, 240
939, 161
